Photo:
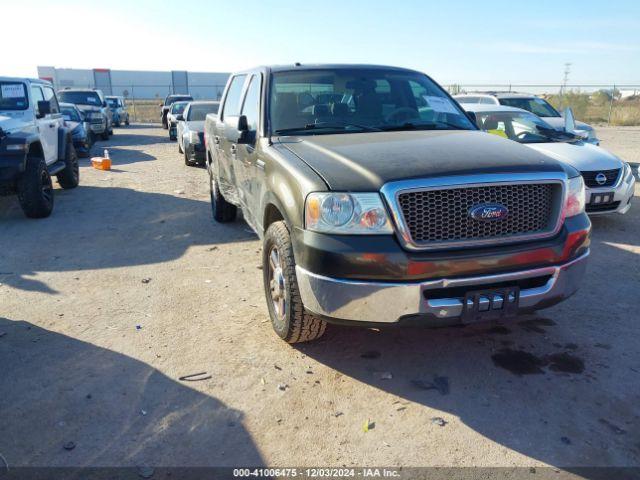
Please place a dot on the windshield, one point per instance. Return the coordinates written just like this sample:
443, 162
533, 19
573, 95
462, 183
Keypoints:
113, 102
535, 105
360, 99
198, 112
13, 96
80, 98
70, 114
178, 107
170, 100
523, 127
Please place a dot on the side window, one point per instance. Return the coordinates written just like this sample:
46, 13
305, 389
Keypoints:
50, 96
232, 102
251, 106
187, 113
36, 96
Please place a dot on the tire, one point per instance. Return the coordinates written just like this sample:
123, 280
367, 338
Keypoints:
35, 189
180, 148
187, 162
70, 176
221, 210
126, 122
289, 319
117, 125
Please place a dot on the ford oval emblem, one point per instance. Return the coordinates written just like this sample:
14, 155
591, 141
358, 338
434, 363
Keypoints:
488, 212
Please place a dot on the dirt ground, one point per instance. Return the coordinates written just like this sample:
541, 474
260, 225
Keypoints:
129, 286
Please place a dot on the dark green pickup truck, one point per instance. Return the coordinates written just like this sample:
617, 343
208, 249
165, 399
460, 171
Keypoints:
378, 201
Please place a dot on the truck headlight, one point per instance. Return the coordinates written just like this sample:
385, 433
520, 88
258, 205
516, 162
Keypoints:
346, 213
574, 204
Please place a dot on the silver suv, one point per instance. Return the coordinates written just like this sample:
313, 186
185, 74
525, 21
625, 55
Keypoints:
94, 106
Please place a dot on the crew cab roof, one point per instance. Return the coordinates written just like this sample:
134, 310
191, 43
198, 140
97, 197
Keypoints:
320, 66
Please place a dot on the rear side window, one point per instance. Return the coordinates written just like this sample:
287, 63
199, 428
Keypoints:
232, 102
13, 96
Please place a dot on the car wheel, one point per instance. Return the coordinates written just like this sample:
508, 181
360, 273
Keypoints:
289, 318
70, 176
187, 162
221, 210
35, 189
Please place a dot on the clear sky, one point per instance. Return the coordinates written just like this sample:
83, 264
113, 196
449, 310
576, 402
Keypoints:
456, 42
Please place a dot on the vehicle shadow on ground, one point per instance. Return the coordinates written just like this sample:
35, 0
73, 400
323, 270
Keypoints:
116, 410
105, 227
126, 138
523, 384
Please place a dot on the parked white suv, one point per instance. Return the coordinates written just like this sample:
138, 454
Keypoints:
526, 101
35, 144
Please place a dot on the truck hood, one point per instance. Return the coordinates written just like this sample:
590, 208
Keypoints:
366, 161
11, 121
581, 155
558, 124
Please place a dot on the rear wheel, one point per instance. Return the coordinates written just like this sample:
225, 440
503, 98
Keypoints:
70, 176
290, 320
221, 210
35, 189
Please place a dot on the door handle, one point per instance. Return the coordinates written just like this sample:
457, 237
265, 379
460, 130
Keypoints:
233, 149
216, 140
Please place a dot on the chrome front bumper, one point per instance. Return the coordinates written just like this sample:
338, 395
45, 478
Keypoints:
378, 302
623, 193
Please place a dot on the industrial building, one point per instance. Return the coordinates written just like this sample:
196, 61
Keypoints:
138, 84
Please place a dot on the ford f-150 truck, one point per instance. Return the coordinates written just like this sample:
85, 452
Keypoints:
378, 201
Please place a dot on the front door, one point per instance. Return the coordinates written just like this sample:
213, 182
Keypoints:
46, 127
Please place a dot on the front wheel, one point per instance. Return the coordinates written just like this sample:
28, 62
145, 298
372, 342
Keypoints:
290, 320
35, 189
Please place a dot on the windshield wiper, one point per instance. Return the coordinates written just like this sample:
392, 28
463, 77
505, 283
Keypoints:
328, 125
421, 126
553, 134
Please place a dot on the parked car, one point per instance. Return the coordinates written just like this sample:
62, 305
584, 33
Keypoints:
378, 201
609, 181
164, 107
94, 106
79, 127
176, 109
532, 103
191, 130
35, 144
118, 109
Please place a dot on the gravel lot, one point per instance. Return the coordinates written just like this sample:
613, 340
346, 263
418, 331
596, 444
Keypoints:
129, 286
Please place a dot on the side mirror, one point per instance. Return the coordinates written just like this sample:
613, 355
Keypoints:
569, 120
180, 117
472, 116
44, 108
243, 129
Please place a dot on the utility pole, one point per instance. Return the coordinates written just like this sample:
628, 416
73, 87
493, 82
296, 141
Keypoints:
565, 81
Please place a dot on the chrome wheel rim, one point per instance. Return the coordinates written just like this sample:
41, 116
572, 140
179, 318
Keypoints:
277, 284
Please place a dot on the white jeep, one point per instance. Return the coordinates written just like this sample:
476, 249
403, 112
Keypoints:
35, 144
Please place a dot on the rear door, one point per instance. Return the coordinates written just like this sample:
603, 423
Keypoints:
225, 141
247, 154
55, 117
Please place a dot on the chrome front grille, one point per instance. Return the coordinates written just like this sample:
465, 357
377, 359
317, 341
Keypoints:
438, 216
608, 178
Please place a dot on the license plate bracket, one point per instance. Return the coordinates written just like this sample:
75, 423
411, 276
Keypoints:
490, 304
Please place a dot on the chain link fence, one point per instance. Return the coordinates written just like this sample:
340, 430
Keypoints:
597, 104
